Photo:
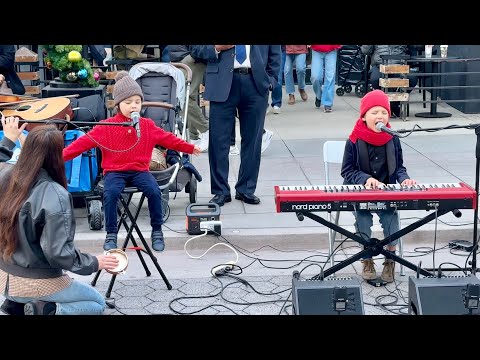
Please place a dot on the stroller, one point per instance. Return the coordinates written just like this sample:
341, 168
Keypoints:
166, 93
352, 69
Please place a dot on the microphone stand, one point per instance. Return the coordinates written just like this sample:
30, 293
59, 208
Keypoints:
476, 127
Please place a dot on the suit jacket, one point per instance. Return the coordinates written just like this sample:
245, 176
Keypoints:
7, 68
265, 61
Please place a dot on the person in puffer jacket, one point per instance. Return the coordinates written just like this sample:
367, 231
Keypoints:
376, 52
324, 69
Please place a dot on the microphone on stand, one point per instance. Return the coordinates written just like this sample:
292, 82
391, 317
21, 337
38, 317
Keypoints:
136, 122
381, 126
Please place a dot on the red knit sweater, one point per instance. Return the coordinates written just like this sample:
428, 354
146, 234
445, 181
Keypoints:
120, 138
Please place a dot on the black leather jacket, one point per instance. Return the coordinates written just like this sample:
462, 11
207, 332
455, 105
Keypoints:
46, 232
6, 146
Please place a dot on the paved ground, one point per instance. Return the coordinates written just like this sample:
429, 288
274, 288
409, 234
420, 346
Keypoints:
272, 245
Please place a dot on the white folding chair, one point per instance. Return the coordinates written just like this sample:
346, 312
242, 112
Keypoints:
333, 154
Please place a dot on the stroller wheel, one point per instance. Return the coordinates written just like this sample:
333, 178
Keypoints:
192, 189
348, 88
95, 215
340, 91
360, 89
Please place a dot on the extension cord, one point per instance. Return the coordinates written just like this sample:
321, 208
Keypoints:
222, 267
214, 226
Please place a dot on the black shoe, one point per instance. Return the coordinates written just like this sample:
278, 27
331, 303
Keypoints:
110, 242
158, 244
220, 199
39, 307
247, 198
317, 103
10, 307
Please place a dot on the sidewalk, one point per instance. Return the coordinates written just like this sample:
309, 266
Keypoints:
294, 158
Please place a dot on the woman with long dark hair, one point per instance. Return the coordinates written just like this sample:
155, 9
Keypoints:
37, 227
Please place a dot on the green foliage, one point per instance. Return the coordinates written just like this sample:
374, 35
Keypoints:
58, 56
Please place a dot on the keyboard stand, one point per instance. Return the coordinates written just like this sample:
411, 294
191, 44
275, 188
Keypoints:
373, 246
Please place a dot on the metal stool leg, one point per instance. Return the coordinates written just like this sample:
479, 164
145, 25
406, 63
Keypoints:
130, 237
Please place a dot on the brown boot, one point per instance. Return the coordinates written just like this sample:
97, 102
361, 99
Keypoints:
303, 94
291, 99
369, 272
388, 273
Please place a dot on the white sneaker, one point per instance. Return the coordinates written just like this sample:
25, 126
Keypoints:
195, 141
266, 138
234, 150
276, 109
203, 143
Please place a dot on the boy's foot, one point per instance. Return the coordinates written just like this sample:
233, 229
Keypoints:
318, 103
388, 273
110, 242
158, 244
327, 109
276, 109
368, 272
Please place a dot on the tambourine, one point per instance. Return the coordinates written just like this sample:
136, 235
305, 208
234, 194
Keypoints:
122, 261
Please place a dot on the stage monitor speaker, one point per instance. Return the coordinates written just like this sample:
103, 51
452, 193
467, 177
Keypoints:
443, 296
331, 296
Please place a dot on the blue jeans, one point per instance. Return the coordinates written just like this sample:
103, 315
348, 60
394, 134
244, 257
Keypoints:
115, 182
300, 68
77, 299
324, 68
388, 220
277, 91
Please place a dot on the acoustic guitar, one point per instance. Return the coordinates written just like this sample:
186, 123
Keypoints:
45, 109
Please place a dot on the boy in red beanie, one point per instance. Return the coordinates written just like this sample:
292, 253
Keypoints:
374, 158
126, 158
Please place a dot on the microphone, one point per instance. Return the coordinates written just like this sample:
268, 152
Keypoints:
136, 122
381, 126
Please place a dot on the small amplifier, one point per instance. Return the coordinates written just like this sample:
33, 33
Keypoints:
197, 213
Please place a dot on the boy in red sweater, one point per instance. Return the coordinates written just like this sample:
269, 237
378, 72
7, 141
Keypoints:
126, 158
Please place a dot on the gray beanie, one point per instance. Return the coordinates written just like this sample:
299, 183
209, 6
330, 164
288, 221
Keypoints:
125, 87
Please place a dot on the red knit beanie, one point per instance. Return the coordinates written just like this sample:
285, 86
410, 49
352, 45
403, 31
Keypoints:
374, 98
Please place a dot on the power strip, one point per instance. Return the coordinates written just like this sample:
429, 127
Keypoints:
214, 226
219, 268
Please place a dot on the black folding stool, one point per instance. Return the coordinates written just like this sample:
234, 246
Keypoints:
164, 179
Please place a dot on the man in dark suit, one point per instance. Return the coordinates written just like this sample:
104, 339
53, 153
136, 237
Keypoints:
237, 77
7, 69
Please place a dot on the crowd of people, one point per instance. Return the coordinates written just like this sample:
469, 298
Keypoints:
37, 246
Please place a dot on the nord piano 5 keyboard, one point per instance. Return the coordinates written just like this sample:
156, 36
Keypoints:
441, 196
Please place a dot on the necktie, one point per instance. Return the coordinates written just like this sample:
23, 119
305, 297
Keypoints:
240, 53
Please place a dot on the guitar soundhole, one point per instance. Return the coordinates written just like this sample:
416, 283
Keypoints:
24, 108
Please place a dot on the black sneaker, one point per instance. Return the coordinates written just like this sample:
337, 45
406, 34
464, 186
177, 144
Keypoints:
39, 307
110, 242
10, 307
317, 103
158, 244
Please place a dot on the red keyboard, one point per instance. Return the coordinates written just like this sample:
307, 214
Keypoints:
441, 196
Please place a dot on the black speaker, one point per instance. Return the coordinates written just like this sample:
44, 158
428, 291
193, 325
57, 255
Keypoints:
331, 296
443, 296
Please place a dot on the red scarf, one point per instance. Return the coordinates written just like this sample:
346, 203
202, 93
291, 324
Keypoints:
361, 131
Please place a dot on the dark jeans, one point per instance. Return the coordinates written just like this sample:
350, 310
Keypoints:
115, 182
